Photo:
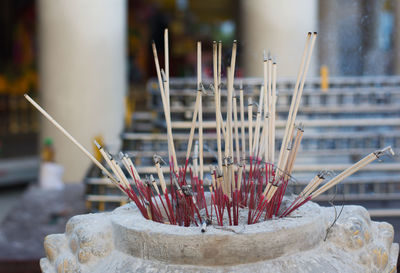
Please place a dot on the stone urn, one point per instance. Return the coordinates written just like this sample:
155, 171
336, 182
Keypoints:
306, 241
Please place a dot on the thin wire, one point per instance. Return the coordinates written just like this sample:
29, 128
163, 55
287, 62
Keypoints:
329, 229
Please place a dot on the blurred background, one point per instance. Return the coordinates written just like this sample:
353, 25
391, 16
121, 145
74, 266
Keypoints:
90, 65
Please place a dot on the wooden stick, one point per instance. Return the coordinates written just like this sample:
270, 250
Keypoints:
108, 161
158, 70
193, 126
298, 95
265, 133
170, 137
292, 105
161, 177
216, 101
219, 68
294, 151
125, 160
250, 119
235, 118
242, 131
352, 169
273, 116
163, 84
195, 159
270, 101
121, 174
228, 116
258, 123
166, 64
131, 166
221, 122
233, 60
312, 186
199, 80
71, 138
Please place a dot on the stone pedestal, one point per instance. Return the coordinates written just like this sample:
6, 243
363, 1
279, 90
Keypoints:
123, 241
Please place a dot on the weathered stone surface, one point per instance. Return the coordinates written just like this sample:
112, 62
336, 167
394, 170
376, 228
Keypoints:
123, 241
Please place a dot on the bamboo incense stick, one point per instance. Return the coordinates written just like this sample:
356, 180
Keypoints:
233, 60
219, 69
319, 178
166, 63
228, 116
273, 115
294, 150
162, 85
170, 137
160, 175
132, 167
199, 83
216, 100
235, 120
258, 123
300, 90
193, 126
158, 70
195, 159
126, 162
265, 133
242, 124
292, 105
71, 138
269, 101
352, 169
108, 160
250, 119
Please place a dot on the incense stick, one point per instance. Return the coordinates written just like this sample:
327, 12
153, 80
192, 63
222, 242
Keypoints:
71, 138
235, 120
273, 116
199, 80
250, 119
292, 105
242, 124
216, 100
352, 169
166, 63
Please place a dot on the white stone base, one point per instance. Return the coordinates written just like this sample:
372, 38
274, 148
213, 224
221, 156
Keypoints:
123, 241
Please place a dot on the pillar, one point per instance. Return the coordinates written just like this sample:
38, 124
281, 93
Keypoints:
279, 27
82, 67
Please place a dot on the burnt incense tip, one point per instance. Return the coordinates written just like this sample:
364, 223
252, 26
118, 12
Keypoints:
121, 155
214, 42
309, 34
384, 151
235, 41
153, 42
315, 33
97, 145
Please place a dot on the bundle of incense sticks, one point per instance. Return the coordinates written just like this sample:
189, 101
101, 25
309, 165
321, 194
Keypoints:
246, 177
